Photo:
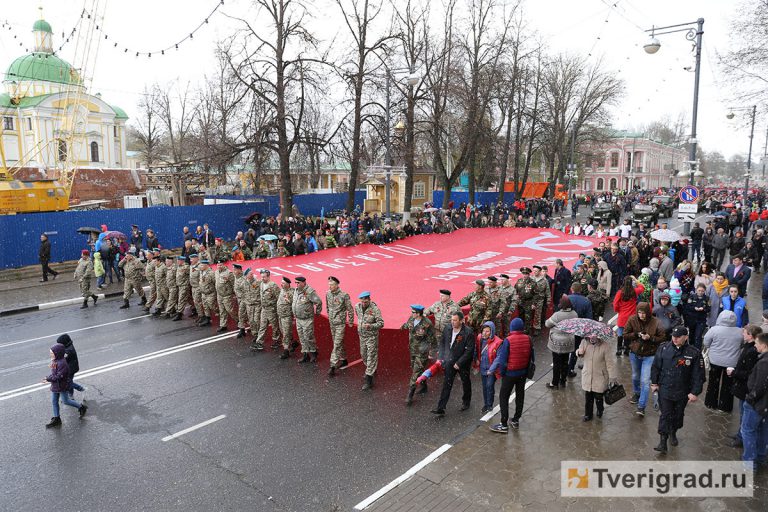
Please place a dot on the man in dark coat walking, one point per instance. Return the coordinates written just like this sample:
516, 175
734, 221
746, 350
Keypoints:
457, 347
44, 254
563, 279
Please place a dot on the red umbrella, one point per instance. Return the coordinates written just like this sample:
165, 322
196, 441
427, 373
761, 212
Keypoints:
728, 205
114, 234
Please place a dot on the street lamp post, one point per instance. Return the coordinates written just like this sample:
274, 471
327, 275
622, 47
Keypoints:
671, 177
731, 115
694, 35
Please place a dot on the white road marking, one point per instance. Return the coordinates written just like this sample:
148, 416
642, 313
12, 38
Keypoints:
6, 395
71, 331
195, 427
73, 301
353, 363
497, 409
367, 502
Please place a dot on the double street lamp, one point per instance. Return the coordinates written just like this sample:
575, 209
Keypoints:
693, 32
747, 175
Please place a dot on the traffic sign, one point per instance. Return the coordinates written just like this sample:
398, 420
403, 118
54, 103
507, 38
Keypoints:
687, 212
689, 194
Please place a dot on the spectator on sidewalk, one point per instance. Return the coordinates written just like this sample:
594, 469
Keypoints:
738, 274
44, 255
732, 302
98, 271
598, 373
740, 373
754, 423
486, 349
560, 343
723, 345
514, 356
625, 305
644, 335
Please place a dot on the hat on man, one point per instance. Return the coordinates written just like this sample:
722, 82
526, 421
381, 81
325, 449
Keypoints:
300, 279
536, 267
247, 271
504, 276
334, 279
204, 262
169, 258
418, 308
237, 266
265, 271
217, 239
446, 292
492, 278
364, 295
155, 251
85, 252
194, 255
134, 226
525, 270
479, 282
181, 258
665, 295
680, 330
286, 280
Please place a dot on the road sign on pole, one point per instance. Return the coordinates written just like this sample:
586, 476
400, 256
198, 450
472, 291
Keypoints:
689, 194
687, 212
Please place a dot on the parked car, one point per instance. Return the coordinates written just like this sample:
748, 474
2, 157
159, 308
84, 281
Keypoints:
604, 213
665, 205
648, 214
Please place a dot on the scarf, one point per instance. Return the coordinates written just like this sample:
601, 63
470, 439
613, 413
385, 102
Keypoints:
719, 288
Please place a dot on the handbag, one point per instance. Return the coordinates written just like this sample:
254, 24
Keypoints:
531, 365
614, 393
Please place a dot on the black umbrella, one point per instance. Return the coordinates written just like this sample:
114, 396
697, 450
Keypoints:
87, 230
251, 217
760, 223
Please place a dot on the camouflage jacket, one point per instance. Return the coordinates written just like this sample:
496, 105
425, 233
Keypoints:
134, 269
479, 311
182, 275
421, 338
285, 303
269, 294
339, 307
207, 282
371, 317
306, 303
225, 282
194, 276
442, 313
84, 269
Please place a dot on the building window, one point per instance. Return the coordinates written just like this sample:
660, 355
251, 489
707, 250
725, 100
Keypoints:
586, 185
62, 147
114, 131
29, 123
418, 190
613, 183
599, 183
8, 123
94, 151
614, 160
588, 161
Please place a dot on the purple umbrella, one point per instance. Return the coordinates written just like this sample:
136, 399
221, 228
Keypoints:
114, 234
586, 328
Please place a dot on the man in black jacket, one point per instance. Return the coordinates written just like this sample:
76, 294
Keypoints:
72, 362
457, 347
44, 253
740, 374
754, 423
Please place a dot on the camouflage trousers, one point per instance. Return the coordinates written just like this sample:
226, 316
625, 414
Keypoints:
530, 312
254, 317
306, 329
338, 353
85, 288
226, 309
419, 364
151, 296
162, 297
369, 351
197, 300
173, 298
129, 286
209, 304
242, 314
268, 317
184, 299
286, 328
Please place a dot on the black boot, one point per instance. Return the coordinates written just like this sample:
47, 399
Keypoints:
85, 304
125, 304
55, 422
177, 317
157, 312
95, 298
241, 334
411, 391
423, 388
368, 383
313, 357
304, 358
331, 371
193, 313
82, 409
294, 346
619, 345
343, 363
285, 355
673, 438
143, 300
223, 328
662, 447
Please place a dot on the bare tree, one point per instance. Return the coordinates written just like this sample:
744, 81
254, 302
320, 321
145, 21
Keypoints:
176, 111
746, 61
147, 133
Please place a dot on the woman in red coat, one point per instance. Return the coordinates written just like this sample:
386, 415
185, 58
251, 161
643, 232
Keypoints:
625, 305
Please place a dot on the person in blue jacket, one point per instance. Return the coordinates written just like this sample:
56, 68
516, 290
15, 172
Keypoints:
732, 302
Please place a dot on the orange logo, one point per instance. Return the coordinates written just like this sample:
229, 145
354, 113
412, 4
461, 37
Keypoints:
577, 480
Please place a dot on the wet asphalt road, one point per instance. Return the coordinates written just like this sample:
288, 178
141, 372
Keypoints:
292, 439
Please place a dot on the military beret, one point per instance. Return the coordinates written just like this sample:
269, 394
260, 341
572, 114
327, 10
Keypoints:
134, 226
247, 271
680, 330
237, 266
85, 252
504, 276
155, 251
492, 278
417, 307
364, 295
525, 270
169, 258
537, 267
446, 292
181, 258
265, 271
194, 255
334, 279
217, 239
479, 282
204, 262
286, 280
300, 279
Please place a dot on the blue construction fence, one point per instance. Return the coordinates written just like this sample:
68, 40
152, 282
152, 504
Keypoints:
308, 204
20, 234
462, 196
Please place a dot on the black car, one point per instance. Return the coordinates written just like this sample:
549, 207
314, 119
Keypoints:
648, 214
665, 205
604, 213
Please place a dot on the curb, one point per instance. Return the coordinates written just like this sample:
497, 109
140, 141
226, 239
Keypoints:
60, 303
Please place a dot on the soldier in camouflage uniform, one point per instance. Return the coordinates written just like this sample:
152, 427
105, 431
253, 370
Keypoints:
184, 288
194, 283
597, 298
218, 253
161, 272
208, 292
421, 340
252, 301
133, 272
173, 288
261, 251
478, 301
83, 274
306, 304
442, 309
270, 292
149, 274
495, 302
225, 294
542, 293
340, 315
285, 316
241, 288
507, 292
369, 323
523, 298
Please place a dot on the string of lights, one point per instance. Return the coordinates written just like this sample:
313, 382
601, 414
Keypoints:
23, 39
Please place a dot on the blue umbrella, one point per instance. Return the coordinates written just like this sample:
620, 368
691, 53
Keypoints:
721, 213
268, 237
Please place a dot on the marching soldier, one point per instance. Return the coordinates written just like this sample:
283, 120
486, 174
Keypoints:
340, 315
369, 323
241, 289
421, 339
677, 374
285, 316
495, 301
225, 289
523, 298
207, 292
507, 291
542, 293
149, 274
252, 302
478, 301
270, 292
161, 271
442, 309
133, 272
173, 288
83, 274
183, 285
306, 304
194, 283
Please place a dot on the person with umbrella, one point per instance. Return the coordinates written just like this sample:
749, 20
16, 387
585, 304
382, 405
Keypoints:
598, 373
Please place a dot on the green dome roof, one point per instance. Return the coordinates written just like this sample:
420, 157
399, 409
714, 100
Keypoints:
42, 66
42, 26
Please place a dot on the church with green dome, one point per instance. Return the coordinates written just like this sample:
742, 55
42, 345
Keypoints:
45, 102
